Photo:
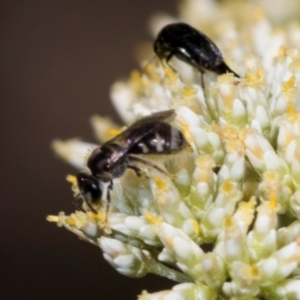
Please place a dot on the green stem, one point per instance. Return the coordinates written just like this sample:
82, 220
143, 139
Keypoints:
161, 270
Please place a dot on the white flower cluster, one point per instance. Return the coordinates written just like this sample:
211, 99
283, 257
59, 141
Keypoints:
225, 223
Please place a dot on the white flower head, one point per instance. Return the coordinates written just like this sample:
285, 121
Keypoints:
221, 217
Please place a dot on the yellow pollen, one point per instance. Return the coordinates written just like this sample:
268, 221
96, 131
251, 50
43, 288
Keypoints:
169, 73
114, 132
270, 175
98, 216
225, 78
227, 186
169, 241
185, 130
257, 151
251, 272
261, 73
70, 221
72, 179
228, 221
135, 76
149, 68
160, 184
273, 200
282, 51
196, 227
289, 84
150, 218
231, 146
188, 92
248, 205
291, 110
254, 78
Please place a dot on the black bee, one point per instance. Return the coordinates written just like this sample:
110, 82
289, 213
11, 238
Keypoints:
151, 135
191, 46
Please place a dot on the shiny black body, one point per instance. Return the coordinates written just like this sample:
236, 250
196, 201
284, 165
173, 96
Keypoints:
191, 46
89, 186
151, 135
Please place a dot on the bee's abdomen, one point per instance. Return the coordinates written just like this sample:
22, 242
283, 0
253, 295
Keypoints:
163, 139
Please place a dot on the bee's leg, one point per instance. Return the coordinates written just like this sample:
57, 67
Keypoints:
109, 187
107, 204
90, 207
136, 169
148, 163
168, 58
202, 82
78, 202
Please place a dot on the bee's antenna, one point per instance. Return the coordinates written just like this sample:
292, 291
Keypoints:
78, 201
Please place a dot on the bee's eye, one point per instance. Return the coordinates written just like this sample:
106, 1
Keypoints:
89, 187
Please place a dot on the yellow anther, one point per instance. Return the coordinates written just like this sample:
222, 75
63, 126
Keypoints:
273, 200
135, 76
169, 73
261, 73
225, 78
196, 227
97, 216
253, 78
149, 69
228, 221
257, 151
114, 132
289, 84
188, 91
255, 271
270, 175
248, 205
70, 221
185, 129
251, 271
291, 110
282, 51
227, 186
72, 179
205, 161
160, 184
169, 241
150, 218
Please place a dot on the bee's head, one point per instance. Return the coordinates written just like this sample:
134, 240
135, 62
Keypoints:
89, 187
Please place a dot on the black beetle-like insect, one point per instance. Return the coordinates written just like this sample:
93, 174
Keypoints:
151, 135
191, 46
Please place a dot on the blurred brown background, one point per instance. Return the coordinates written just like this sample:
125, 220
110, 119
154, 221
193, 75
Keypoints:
58, 60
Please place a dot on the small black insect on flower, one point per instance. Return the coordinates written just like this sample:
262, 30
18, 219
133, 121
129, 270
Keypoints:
151, 135
191, 46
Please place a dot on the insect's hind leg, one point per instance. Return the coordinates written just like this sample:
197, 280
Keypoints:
147, 163
168, 58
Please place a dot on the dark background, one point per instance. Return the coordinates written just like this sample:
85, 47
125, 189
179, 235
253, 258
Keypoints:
58, 60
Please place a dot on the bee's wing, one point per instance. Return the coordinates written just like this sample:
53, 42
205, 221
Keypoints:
138, 130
